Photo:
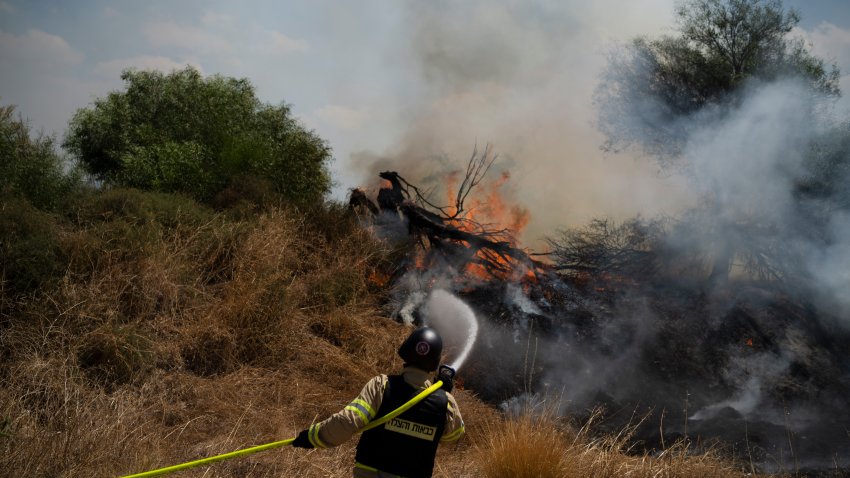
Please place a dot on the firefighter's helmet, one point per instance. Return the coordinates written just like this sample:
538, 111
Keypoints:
422, 349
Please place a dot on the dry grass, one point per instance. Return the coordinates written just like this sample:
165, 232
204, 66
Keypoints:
178, 333
539, 444
525, 447
172, 339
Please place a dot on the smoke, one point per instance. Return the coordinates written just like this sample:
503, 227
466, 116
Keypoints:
744, 402
760, 176
748, 158
521, 77
766, 164
732, 359
829, 265
755, 163
754, 371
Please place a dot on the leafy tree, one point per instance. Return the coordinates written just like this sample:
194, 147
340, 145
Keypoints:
181, 132
30, 167
651, 85
822, 188
656, 91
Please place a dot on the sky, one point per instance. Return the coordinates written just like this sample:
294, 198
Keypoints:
412, 86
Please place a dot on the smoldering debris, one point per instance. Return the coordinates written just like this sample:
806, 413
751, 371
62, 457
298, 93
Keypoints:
742, 359
729, 320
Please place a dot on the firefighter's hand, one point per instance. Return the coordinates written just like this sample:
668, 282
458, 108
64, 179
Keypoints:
447, 375
302, 441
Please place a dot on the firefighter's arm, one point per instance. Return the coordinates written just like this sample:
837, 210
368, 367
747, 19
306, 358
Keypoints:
340, 426
454, 422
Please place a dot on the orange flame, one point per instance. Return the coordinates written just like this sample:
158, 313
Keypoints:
491, 210
378, 278
485, 208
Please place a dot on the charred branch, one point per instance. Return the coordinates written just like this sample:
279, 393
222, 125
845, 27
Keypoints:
446, 228
476, 169
495, 253
359, 202
602, 248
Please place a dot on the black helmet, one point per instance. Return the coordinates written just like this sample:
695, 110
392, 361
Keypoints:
422, 349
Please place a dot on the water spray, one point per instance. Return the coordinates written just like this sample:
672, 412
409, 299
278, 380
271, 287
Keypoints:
454, 320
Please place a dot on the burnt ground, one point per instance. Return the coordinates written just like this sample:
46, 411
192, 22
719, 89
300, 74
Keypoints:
753, 370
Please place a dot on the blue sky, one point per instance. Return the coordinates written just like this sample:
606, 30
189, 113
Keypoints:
387, 82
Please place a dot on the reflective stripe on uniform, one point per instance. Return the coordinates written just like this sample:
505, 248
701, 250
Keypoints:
313, 436
455, 434
357, 464
363, 409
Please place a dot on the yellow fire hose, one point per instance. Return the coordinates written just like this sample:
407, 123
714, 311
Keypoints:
268, 446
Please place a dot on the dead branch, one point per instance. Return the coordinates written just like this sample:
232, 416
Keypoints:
446, 228
602, 248
358, 201
476, 169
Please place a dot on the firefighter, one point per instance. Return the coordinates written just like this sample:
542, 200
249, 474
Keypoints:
406, 445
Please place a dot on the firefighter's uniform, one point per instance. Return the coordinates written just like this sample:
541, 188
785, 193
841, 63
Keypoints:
405, 446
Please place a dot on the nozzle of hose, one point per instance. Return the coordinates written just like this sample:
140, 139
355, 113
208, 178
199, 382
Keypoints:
446, 375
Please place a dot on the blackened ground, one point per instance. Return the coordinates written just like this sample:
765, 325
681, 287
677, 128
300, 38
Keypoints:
749, 366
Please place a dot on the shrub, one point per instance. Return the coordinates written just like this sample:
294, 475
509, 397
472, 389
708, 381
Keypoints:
129, 224
181, 132
30, 168
138, 207
30, 252
529, 445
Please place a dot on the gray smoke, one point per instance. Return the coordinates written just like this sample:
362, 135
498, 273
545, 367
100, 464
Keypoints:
521, 77
735, 184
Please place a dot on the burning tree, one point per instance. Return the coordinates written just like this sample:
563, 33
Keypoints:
451, 232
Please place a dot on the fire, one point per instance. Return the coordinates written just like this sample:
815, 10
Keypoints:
485, 216
513, 218
489, 208
378, 278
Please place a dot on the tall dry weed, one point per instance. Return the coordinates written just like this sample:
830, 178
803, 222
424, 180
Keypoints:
527, 446
538, 443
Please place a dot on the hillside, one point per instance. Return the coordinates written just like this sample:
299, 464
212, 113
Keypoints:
160, 331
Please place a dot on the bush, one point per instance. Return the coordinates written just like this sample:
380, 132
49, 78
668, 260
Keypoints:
30, 252
140, 207
525, 446
129, 224
29, 167
184, 133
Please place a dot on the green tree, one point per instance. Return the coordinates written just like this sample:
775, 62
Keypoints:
652, 85
656, 92
181, 132
30, 167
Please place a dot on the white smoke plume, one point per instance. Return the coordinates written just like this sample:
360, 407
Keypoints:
524, 80
521, 77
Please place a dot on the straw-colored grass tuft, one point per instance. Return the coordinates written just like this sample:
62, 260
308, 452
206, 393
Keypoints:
540, 444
